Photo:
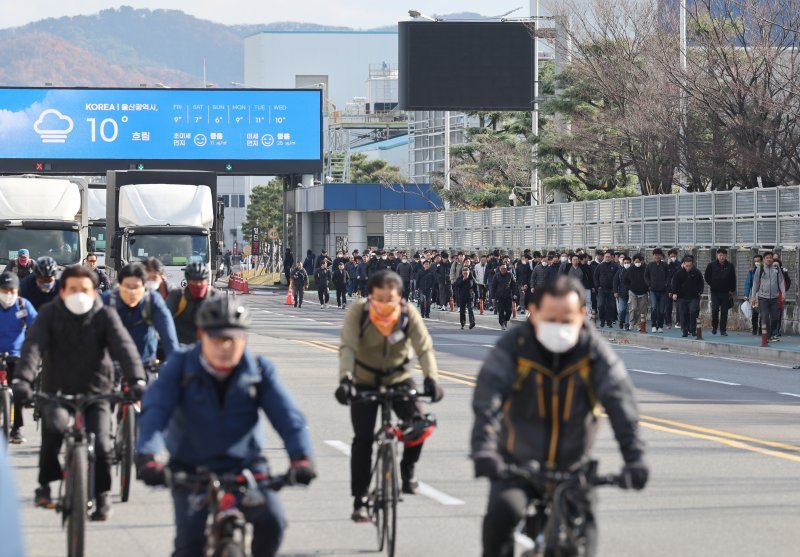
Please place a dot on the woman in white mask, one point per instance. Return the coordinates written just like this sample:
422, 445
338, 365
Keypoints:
535, 403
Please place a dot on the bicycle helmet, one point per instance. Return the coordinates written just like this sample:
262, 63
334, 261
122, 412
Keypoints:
415, 432
219, 315
196, 271
45, 267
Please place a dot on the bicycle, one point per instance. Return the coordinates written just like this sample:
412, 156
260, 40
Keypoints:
226, 530
6, 397
556, 519
76, 492
384, 492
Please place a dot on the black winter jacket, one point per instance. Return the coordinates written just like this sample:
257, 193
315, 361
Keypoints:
721, 279
634, 280
322, 277
76, 351
464, 288
604, 275
426, 280
656, 276
406, 271
687, 284
504, 287
534, 406
340, 278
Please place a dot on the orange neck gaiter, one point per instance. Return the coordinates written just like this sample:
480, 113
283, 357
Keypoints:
384, 316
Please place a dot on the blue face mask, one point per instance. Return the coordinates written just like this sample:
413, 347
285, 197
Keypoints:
46, 286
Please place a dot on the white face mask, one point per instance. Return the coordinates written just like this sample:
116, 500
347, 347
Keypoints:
673, 259
8, 299
638, 264
627, 265
79, 303
563, 259
405, 260
557, 337
152, 284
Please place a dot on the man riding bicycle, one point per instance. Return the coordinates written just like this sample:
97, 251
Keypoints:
76, 338
207, 398
378, 335
536, 404
184, 302
143, 312
42, 286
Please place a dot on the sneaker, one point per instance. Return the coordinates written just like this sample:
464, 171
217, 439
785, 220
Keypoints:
360, 510
627, 327
724, 333
713, 331
472, 326
660, 330
684, 335
462, 327
16, 438
677, 326
322, 306
410, 484
103, 510
775, 339
653, 329
42, 499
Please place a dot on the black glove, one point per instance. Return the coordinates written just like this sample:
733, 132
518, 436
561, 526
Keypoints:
137, 389
301, 471
433, 390
150, 471
634, 475
23, 390
488, 465
345, 391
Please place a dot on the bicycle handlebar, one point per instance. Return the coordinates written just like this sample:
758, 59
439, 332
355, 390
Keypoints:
80, 401
536, 475
227, 481
390, 394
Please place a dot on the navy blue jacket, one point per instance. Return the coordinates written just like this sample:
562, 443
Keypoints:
12, 331
29, 290
225, 437
144, 333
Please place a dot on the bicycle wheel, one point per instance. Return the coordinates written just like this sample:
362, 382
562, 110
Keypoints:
5, 412
77, 494
389, 480
229, 549
127, 435
377, 499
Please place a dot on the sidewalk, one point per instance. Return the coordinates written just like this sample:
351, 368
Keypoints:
736, 344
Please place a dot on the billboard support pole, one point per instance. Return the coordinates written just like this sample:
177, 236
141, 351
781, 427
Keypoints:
446, 156
535, 112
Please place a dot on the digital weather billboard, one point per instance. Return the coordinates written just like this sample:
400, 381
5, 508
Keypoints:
235, 131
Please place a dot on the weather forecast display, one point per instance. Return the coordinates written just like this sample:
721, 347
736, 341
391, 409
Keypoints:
233, 130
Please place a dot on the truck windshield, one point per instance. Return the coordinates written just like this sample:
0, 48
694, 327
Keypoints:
61, 245
170, 249
98, 232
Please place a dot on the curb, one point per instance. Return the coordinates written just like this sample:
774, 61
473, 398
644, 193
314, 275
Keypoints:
700, 347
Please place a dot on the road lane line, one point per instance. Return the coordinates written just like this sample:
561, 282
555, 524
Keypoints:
438, 496
648, 372
724, 441
317, 346
718, 381
340, 446
790, 394
424, 489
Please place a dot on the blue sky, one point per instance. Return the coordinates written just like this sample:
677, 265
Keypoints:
351, 13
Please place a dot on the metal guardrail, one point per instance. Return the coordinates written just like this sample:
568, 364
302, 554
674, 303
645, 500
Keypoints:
744, 219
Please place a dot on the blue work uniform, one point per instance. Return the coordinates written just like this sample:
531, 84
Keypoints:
216, 424
143, 321
14, 322
29, 290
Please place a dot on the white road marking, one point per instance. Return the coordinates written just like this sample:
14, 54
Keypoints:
648, 372
424, 489
717, 381
438, 496
712, 356
790, 394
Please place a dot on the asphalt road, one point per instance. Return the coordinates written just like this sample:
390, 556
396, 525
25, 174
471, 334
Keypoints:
723, 445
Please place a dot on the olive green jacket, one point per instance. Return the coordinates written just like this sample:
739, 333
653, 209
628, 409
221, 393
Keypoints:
365, 346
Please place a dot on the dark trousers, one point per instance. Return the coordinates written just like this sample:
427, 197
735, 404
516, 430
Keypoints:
341, 296
324, 295
18, 406
406, 289
770, 312
720, 304
363, 416
658, 308
55, 422
508, 502
297, 292
606, 306
668, 313
445, 292
362, 287
425, 302
690, 309
504, 310
464, 307
754, 321
268, 522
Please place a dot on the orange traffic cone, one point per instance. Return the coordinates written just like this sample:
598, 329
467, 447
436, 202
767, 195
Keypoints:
480, 303
699, 330
643, 325
514, 308
290, 295
452, 304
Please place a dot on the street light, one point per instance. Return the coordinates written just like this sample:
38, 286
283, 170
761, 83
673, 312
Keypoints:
417, 15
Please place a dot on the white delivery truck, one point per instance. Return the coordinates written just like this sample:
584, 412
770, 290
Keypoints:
173, 216
97, 222
45, 215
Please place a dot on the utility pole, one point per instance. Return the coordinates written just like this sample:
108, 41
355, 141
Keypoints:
446, 156
535, 112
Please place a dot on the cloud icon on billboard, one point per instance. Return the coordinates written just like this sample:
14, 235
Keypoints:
52, 126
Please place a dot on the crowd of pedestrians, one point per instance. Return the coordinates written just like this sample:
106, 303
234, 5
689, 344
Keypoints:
621, 290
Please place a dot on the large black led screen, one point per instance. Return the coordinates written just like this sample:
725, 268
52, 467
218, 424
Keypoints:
466, 66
